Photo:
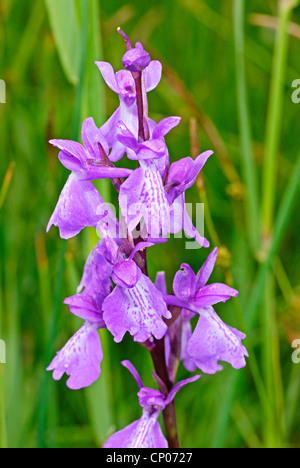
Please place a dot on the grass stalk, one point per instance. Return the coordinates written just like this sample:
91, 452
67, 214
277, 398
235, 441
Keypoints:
248, 164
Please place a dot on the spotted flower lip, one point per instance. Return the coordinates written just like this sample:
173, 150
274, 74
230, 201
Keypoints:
80, 358
146, 432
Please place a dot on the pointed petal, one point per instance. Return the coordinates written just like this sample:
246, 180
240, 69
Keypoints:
207, 269
178, 387
165, 126
129, 366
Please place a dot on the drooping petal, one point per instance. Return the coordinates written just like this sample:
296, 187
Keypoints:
144, 433
143, 196
80, 358
138, 311
76, 208
205, 272
214, 341
180, 220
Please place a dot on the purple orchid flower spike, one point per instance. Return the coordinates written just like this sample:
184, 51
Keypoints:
80, 204
146, 432
212, 340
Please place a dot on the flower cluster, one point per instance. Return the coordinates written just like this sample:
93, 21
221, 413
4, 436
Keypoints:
116, 292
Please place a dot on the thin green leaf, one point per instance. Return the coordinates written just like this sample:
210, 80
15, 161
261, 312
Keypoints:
65, 28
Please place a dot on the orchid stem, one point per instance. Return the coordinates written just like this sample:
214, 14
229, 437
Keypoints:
169, 413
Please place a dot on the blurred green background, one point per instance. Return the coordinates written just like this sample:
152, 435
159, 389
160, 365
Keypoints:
228, 72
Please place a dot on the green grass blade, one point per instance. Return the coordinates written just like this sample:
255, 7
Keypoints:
250, 177
64, 24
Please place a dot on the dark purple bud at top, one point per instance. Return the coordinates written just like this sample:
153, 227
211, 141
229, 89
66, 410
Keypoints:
137, 59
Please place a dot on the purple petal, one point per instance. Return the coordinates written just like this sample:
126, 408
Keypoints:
183, 173
140, 247
165, 126
153, 75
70, 162
214, 293
144, 433
129, 366
80, 359
108, 74
94, 172
151, 397
151, 149
178, 387
126, 273
136, 60
72, 155
205, 272
138, 311
180, 220
174, 301
214, 341
97, 272
161, 283
85, 307
76, 208
91, 137
184, 284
